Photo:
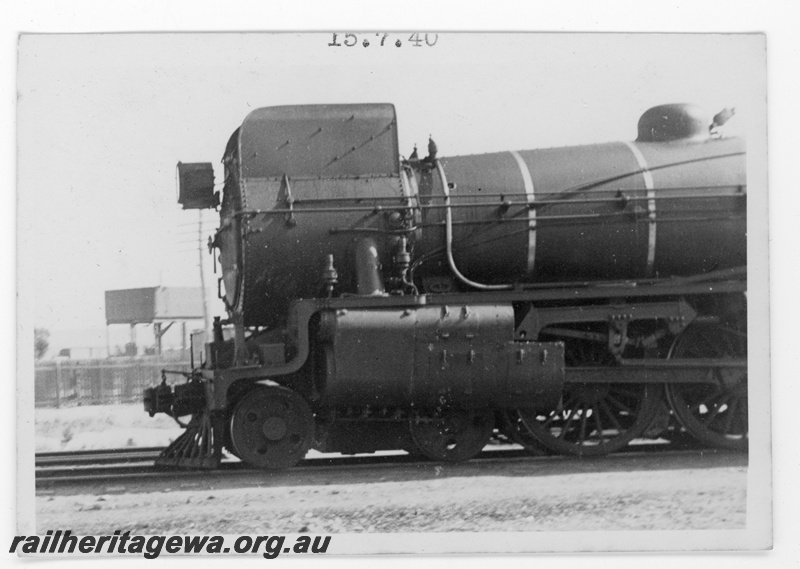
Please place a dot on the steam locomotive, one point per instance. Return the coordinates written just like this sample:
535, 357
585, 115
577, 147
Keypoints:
572, 299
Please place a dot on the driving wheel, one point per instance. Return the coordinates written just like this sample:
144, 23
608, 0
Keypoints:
513, 426
714, 412
593, 419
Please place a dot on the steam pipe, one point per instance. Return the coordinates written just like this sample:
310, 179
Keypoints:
449, 239
368, 276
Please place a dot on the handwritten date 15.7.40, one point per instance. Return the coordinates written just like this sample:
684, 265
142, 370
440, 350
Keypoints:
382, 39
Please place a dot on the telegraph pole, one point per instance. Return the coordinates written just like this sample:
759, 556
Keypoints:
202, 273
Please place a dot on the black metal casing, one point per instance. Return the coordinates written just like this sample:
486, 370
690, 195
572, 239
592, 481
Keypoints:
370, 285
196, 186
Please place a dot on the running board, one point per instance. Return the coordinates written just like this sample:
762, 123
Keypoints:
655, 371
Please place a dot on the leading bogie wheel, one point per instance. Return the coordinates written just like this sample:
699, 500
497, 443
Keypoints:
271, 427
715, 412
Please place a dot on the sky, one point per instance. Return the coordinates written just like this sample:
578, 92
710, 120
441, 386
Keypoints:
103, 119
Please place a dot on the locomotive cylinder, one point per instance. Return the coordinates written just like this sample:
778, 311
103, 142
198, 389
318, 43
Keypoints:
428, 357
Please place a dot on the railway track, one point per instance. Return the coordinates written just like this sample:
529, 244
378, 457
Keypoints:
96, 457
135, 466
57, 468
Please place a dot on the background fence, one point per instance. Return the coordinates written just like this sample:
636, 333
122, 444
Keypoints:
96, 382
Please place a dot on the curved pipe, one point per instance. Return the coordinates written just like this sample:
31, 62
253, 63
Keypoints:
449, 239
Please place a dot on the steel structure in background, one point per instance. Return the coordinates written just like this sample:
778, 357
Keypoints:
159, 306
65, 383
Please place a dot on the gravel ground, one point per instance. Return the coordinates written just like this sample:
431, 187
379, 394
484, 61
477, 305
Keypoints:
642, 493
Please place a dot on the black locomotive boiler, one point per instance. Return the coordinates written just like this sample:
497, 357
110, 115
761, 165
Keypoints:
568, 297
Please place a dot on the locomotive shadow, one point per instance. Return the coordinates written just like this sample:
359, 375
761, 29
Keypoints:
237, 475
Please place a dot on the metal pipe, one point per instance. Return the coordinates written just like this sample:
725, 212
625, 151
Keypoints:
599, 217
449, 239
694, 363
613, 194
483, 204
368, 275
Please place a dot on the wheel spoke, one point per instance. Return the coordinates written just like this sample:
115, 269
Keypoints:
610, 415
557, 414
577, 435
584, 430
515, 425
599, 426
568, 422
568, 403
717, 413
696, 408
717, 409
693, 353
713, 350
582, 435
730, 413
632, 394
743, 413
733, 345
619, 404
550, 418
